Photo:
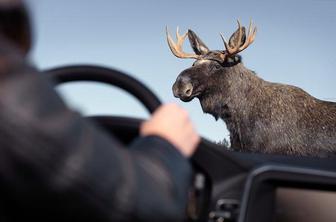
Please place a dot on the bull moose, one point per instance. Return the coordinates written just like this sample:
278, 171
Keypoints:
261, 116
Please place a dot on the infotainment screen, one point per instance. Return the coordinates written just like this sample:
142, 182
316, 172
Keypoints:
295, 205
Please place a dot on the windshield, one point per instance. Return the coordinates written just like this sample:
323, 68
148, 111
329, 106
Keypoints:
294, 45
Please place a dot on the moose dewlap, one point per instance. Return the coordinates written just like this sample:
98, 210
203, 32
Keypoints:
261, 116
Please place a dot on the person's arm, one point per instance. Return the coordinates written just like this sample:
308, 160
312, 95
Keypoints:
55, 165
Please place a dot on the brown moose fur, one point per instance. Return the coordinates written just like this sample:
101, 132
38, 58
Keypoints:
269, 117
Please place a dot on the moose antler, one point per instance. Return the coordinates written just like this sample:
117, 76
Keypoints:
176, 48
239, 47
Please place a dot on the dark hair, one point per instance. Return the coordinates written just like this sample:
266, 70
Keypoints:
15, 24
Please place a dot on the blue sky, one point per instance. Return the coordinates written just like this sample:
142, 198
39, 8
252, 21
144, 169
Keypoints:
295, 44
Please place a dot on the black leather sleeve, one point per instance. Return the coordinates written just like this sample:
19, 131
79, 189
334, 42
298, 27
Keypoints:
57, 166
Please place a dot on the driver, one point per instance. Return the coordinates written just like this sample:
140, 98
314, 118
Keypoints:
57, 166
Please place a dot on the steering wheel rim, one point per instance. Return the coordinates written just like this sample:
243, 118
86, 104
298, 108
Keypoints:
109, 76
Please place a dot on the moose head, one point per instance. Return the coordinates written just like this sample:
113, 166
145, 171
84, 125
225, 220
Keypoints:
200, 79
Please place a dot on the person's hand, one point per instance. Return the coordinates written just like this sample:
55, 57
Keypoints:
173, 124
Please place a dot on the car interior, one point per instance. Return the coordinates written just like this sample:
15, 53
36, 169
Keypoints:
228, 185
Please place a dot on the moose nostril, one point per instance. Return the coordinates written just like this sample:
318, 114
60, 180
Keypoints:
188, 90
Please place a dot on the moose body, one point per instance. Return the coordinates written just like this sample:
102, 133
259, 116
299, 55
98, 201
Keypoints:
261, 116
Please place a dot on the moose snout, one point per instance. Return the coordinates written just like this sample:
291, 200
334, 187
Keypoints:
183, 88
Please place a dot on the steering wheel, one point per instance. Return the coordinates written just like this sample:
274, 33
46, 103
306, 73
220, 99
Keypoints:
123, 128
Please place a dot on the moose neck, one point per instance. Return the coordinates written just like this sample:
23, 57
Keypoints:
233, 96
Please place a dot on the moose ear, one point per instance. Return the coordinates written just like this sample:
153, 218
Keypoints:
196, 43
233, 41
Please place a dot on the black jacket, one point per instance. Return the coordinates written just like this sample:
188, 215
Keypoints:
57, 166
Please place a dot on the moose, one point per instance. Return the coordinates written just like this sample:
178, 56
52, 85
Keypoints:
261, 116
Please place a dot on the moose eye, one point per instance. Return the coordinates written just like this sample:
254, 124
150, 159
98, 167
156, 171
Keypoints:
217, 66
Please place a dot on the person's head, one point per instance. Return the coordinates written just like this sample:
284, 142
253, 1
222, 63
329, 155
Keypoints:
15, 24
